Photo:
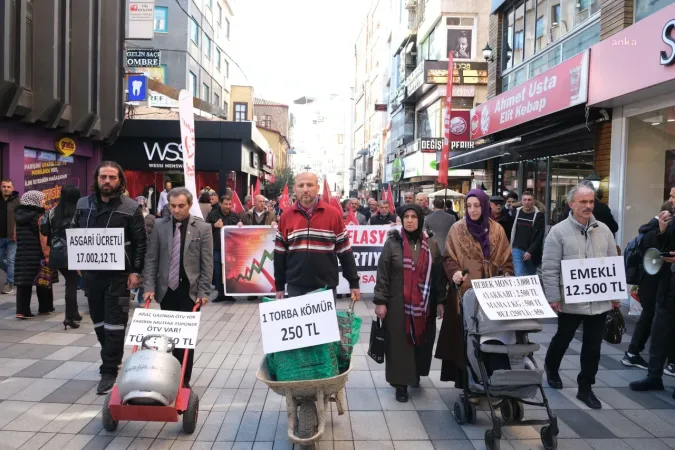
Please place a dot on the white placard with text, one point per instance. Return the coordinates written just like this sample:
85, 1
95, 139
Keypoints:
593, 279
299, 322
95, 248
180, 327
512, 298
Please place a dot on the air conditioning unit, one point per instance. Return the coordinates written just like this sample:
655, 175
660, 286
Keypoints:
411, 4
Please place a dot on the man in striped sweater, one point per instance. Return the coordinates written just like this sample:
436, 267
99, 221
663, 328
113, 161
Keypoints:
311, 236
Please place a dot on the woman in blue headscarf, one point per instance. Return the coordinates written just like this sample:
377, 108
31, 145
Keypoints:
476, 248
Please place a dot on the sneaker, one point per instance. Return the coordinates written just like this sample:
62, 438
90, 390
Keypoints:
634, 361
25, 316
670, 369
589, 399
106, 384
7, 288
647, 384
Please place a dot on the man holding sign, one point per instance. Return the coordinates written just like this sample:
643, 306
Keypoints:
109, 224
574, 266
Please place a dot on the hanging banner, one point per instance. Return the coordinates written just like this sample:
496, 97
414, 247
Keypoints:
187, 137
248, 258
447, 135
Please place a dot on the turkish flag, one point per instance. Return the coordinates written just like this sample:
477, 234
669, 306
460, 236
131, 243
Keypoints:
351, 218
256, 191
443, 165
326, 196
390, 196
237, 207
285, 202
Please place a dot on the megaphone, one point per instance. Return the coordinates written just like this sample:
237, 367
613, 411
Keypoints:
653, 261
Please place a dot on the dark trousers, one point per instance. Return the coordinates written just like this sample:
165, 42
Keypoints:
218, 273
594, 328
179, 300
663, 334
643, 327
71, 277
23, 294
108, 299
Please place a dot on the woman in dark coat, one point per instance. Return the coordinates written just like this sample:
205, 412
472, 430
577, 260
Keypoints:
476, 248
53, 227
30, 251
409, 293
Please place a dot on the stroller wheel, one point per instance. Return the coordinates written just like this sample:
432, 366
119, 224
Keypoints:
518, 411
548, 439
470, 409
491, 443
460, 413
507, 410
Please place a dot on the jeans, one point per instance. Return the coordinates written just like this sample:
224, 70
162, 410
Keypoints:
521, 267
594, 328
7, 252
218, 273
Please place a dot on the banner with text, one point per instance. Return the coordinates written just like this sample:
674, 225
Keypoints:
594, 279
248, 258
95, 248
512, 298
181, 328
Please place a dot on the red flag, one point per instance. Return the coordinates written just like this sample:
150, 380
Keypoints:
384, 195
351, 218
445, 152
285, 202
390, 196
237, 207
336, 204
326, 196
257, 189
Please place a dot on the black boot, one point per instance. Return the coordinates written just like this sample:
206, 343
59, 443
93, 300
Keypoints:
647, 384
587, 396
70, 323
402, 394
553, 378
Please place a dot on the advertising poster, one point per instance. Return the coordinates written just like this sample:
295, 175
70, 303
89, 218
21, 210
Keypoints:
47, 172
248, 258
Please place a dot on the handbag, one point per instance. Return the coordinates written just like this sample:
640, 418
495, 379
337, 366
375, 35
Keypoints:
615, 327
378, 342
44, 276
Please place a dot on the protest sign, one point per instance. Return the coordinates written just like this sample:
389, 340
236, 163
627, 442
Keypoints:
594, 279
512, 298
367, 243
248, 260
95, 248
298, 322
180, 327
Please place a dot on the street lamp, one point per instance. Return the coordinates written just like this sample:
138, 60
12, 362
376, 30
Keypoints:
487, 53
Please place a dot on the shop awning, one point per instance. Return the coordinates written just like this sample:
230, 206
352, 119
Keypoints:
489, 151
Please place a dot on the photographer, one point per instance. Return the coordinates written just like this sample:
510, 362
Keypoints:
663, 332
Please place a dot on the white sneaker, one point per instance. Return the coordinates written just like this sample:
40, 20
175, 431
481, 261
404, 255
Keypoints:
670, 370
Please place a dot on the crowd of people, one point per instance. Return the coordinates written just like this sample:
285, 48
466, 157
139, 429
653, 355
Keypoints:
423, 271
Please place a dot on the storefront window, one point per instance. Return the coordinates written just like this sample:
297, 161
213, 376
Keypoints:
509, 178
581, 41
437, 43
47, 172
535, 178
643, 8
429, 121
566, 172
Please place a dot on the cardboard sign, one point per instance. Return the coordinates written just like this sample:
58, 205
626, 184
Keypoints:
299, 322
367, 242
180, 327
95, 248
594, 279
512, 298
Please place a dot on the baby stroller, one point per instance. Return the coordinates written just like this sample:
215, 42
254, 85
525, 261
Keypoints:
500, 366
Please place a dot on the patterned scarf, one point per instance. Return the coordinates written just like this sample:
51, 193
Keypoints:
416, 290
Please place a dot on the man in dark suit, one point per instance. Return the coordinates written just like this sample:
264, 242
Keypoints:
179, 262
439, 222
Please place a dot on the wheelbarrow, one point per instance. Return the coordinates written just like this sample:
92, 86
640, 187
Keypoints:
307, 403
186, 403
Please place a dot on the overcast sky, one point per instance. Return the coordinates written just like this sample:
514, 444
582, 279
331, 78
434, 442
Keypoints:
291, 48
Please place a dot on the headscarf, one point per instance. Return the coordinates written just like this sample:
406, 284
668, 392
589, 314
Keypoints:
141, 200
32, 198
480, 229
413, 235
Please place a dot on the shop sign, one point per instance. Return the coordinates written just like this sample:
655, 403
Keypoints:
388, 176
559, 88
420, 165
472, 73
634, 59
143, 57
65, 146
411, 148
397, 170
430, 145
141, 16
415, 80
161, 101
382, 107
459, 90
47, 172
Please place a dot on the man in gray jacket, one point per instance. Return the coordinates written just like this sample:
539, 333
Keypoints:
579, 236
179, 262
439, 222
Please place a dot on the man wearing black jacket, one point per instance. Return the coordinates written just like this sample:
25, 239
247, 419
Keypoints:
663, 331
218, 218
108, 291
501, 215
382, 216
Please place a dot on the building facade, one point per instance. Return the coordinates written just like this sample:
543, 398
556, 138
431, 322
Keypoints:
194, 39
61, 94
272, 120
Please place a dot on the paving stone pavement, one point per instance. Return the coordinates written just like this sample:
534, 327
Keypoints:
48, 380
